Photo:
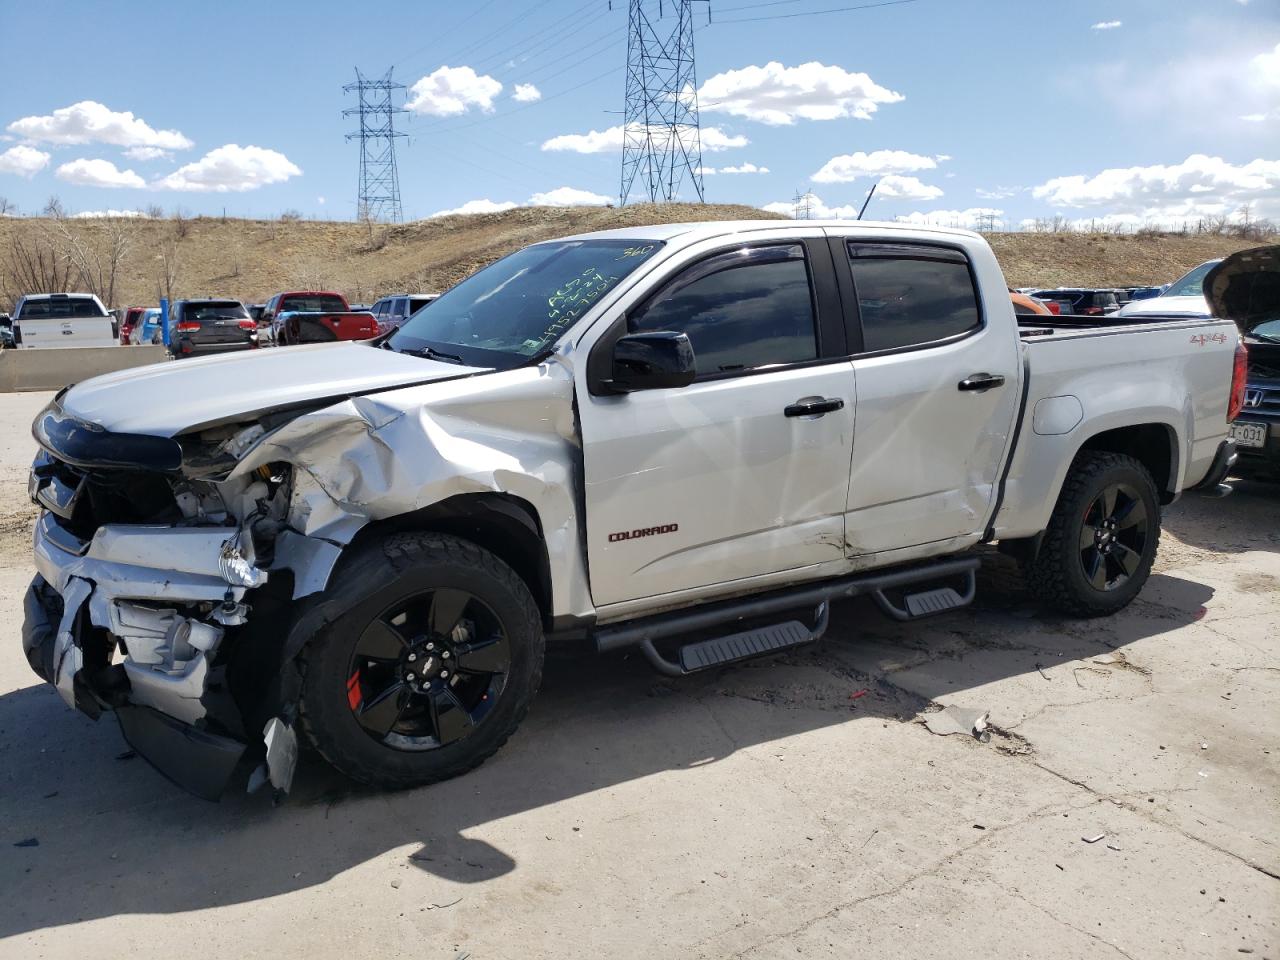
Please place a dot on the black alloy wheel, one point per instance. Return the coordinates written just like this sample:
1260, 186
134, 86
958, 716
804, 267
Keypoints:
428, 670
1113, 537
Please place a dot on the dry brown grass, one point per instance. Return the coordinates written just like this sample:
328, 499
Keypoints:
252, 259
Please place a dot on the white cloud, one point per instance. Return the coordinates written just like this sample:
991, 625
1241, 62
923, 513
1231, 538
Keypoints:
817, 209
98, 173
998, 193
450, 91
877, 163
1253, 117
107, 214
744, 168
780, 95
148, 153
230, 168
610, 140
967, 218
526, 93
476, 206
23, 160
906, 188
942, 157
90, 122
321, 201
568, 197
1198, 186
1107, 25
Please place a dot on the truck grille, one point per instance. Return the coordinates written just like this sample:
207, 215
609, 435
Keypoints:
83, 499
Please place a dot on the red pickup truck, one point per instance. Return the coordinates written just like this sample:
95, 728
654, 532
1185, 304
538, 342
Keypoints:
315, 316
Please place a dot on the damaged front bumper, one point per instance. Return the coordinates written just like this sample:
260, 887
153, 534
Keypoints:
132, 621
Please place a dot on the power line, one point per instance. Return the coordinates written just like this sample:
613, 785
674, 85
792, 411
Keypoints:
816, 13
661, 137
379, 191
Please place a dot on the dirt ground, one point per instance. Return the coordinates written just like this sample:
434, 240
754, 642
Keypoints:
794, 807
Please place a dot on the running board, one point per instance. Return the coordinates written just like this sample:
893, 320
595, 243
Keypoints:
737, 647
928, 603
643, 632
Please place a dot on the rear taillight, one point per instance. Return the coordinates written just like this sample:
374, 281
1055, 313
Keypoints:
1239, 376
1054, 307
248, 325
188, 326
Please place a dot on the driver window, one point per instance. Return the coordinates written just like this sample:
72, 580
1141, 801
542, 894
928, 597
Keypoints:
742, 310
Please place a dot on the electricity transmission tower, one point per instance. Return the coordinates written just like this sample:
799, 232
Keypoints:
379, 197
661, 140
802, 205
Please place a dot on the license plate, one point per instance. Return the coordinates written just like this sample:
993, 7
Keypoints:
1249, 434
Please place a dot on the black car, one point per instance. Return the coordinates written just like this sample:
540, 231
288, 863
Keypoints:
210, 326
1081, 302
1245, 288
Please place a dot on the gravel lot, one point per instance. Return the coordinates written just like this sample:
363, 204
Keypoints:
770, 810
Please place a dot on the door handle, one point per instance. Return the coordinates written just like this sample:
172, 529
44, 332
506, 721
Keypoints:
981, 382
815, 407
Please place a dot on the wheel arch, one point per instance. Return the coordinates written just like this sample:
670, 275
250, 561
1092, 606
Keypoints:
506, 525
1154, 445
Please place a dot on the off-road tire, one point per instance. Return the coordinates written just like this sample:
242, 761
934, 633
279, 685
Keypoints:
395, 567
1056, 576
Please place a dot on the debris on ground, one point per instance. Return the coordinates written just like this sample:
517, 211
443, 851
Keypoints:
29, 842
1093, 839
127, 755
955, 719
857, 694
442, 906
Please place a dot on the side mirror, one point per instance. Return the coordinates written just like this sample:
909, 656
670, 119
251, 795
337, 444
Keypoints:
652, 361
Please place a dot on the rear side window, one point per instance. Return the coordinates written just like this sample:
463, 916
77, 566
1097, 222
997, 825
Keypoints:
313, 304
417, 303
910, 296
61, 308
740, 311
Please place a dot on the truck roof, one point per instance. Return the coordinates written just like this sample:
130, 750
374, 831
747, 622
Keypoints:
51, 296
692, 232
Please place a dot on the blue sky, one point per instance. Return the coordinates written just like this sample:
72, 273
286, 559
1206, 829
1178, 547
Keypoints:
1038, 107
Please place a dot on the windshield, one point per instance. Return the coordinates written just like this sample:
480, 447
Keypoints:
215, 311
313, 303
1191, 285
61, 308
514, 309
1268, 330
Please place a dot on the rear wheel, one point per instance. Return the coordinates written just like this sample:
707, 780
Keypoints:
432, 672
1102, 538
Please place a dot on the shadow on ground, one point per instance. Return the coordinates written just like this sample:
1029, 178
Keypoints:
1248, 519
115, 838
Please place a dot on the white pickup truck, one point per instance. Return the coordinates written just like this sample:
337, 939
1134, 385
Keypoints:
62, 320
686, 440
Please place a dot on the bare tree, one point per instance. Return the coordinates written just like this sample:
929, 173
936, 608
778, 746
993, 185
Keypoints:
167, 270
53, 207
33, 264
97, 258
8, 208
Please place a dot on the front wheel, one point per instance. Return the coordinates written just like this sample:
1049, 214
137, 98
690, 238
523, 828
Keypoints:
1101, 540
428, 675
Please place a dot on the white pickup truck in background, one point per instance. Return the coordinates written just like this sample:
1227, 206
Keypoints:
685, 439
62, 320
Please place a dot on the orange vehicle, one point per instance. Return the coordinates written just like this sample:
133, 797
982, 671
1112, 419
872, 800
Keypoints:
1025, 306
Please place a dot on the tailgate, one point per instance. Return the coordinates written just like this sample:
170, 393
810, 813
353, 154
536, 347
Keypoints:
220, 331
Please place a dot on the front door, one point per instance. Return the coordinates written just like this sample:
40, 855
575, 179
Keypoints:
732, 476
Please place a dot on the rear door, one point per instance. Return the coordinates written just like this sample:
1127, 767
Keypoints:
727, 478
938, 393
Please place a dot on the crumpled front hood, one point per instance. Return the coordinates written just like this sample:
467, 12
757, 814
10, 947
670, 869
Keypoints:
167, 398
1245, 287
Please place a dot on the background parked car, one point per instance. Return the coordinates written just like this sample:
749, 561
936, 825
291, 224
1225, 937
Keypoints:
128, 323
210, 326
391, 311
1184, 297
148, 328
1080, 301
6, 332
316, 316
62, 320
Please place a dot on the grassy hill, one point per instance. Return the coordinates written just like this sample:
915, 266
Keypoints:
252, 259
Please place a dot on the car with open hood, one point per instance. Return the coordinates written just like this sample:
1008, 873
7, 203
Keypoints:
1245, 289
